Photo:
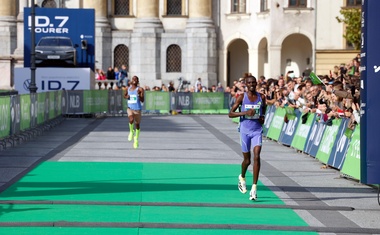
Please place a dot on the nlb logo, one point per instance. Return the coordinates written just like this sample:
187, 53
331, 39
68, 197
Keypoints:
43, 24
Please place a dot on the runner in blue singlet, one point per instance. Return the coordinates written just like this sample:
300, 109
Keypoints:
251, 119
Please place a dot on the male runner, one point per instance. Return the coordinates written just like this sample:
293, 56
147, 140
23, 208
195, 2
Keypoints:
251, 120
135, 96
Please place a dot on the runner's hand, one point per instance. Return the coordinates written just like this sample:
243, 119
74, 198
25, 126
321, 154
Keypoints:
250, 112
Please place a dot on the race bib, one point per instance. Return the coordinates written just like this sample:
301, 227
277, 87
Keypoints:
132, 99
256, 107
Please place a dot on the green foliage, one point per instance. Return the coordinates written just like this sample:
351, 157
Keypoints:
352, 20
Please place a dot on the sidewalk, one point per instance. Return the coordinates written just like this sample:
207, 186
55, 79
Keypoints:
84, 177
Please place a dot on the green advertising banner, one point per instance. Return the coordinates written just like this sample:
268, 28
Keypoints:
52, 101
290, 113
155, 100
328, 140
41, 102
5, 116
208, 101
302, 132
275, 128
351, 165
58, 103
95, 101
25, 111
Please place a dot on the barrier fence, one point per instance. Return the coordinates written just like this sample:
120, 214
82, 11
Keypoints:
334, 145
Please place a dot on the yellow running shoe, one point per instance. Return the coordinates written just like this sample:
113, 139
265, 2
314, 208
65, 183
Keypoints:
136, 143
130, 136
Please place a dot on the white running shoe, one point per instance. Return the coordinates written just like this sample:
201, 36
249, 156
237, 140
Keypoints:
242, 185
253, 195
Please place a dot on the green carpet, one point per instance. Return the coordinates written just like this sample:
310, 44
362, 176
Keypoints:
84, 182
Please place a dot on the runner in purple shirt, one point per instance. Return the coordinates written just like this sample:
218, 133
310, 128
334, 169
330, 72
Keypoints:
251, 120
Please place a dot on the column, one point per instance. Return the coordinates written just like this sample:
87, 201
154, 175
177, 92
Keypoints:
8, 39
147, 16
253, 62
274, 60
103, 40
19, 52
145, 48
200, 14
8, 27
201, 43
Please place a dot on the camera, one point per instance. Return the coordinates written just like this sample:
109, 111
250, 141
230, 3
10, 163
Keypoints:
182, 84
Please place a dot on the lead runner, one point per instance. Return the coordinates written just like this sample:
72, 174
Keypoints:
253, 106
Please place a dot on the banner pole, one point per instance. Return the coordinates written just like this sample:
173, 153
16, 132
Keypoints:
32, 86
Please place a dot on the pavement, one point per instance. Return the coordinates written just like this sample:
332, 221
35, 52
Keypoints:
83, 177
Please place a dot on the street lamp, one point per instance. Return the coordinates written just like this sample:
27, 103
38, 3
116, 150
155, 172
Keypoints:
32, 86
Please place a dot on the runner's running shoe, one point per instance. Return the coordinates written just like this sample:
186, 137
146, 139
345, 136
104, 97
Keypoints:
242, 185
130, 136
136, 143
253, 195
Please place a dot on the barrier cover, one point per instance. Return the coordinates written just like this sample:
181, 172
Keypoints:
33, 109
276, 124
328, 141
95, 101
351, 164
5, 117
208, 102
315, 137
157, 101
302, 133
271, 109
41, 107
15, 114
339, 150
25, 112
289, 129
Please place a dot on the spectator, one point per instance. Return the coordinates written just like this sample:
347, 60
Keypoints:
219, 88
117, 73
123, 77
102, 76
110, 74
171, 87
198, 85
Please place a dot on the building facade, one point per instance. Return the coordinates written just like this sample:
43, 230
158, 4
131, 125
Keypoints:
216, 40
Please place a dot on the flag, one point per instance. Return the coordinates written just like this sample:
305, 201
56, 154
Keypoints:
315, 79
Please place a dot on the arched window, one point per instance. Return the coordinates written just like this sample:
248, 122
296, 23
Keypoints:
121, 8
174, 7
121, 56
173, 59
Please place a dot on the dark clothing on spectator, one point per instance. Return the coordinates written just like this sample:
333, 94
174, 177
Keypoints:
110, 75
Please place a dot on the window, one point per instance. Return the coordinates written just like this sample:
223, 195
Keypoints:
297, 3
173, 59
354, 3
49, 4
121, 7
121, 56
174, 7
238, 6
263, 5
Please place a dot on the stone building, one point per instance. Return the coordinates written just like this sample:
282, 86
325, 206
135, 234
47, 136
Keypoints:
216, 40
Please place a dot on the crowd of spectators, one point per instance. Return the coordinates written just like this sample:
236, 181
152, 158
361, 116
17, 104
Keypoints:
337, 96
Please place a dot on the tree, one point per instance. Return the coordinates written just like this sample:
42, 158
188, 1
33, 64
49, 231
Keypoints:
352, 20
